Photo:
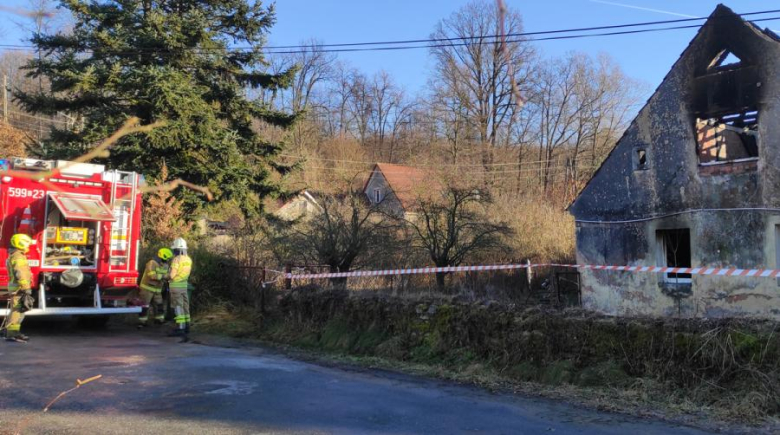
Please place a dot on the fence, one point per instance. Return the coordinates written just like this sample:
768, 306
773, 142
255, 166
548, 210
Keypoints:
545, 284
557, 284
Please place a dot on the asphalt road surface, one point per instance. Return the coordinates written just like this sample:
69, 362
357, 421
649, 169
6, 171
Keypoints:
152, 384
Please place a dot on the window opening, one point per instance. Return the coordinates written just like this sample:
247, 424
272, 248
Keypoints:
641, 159
725, 59
377, 195
732, 136
675, 251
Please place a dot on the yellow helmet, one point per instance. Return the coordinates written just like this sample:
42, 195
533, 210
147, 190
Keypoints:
165, 254
21, 242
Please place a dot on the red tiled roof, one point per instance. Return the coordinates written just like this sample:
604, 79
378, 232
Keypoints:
406, 182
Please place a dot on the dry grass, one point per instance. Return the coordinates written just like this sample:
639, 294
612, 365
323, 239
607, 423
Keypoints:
543, 231
13, 142
226, 319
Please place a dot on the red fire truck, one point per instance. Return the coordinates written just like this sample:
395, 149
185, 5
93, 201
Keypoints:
85, 223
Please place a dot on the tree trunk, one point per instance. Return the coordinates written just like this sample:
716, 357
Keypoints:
440, 279
339, 283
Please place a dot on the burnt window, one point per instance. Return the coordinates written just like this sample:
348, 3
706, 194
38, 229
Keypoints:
726, 95
728, 136
640, 159
724, 60
674, 250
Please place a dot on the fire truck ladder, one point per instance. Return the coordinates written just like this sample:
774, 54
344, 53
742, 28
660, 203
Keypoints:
123, 208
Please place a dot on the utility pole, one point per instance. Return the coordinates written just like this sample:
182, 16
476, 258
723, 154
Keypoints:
5, 98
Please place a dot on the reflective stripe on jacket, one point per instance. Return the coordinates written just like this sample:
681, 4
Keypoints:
19, 273
153, 276
181, 266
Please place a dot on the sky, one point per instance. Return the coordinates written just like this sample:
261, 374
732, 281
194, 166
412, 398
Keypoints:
646, 57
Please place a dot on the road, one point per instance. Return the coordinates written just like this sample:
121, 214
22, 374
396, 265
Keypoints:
152, 384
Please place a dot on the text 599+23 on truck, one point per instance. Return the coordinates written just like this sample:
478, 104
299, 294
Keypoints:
85, 223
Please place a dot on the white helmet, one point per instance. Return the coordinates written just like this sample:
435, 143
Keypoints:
179, 244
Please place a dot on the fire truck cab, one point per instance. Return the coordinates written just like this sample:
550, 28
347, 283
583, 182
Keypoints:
85, 224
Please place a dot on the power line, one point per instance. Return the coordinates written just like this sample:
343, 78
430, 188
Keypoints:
429, 43
37, 117
528, 162
27, 124
546, 169
510, 35
462, 44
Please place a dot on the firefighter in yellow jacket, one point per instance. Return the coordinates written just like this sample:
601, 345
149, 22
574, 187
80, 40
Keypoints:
178, 280
19, 282
151, 287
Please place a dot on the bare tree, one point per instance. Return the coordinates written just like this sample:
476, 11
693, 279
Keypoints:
557, 108
619, 97
385, 97
448, 112
11, 65
42, 16
402, 114
390, 113
454, 227
345, 234
360, 105
338, 99
577, 106
474, 69
314, 68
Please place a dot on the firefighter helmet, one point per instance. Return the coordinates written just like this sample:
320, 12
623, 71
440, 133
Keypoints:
21, 242
165, 254
179, 244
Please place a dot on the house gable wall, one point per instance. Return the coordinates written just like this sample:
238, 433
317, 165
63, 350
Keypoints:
622, 208
665, 129
389, 201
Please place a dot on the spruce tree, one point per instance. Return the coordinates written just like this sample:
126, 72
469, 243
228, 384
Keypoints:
188, 63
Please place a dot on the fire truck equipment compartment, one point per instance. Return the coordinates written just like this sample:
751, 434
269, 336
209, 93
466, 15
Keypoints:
82, 208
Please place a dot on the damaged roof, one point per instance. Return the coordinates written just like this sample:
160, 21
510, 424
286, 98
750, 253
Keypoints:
721, 13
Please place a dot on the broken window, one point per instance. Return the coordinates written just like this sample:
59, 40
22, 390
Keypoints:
640, 159
728, 137
674, 250
724, 60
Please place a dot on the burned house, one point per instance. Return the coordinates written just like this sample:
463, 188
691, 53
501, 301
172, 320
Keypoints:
693, 182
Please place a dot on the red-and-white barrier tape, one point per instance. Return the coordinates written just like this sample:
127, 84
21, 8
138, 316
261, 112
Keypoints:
763, 273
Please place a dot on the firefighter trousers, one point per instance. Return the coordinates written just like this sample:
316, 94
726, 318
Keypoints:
180, 301
151, 300
14, 326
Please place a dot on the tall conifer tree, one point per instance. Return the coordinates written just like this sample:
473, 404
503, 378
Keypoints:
185, 62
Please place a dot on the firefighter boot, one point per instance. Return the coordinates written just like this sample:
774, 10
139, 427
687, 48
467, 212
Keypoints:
17, 338
181, 323
143, 318
159, 314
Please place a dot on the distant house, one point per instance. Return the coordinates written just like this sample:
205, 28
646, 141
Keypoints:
397, 187
299, 206
693, 183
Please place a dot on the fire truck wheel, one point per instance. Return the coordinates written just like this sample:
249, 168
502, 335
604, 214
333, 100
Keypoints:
92, 322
